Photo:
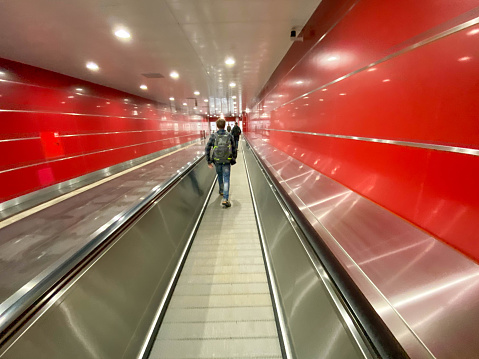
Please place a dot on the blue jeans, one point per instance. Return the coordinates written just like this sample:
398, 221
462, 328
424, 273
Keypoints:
236, 142
223, 172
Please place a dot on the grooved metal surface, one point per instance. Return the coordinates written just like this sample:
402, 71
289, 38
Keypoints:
221, 306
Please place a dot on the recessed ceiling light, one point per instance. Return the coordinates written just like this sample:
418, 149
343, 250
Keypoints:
206, 100
122, 33
174, 75
144, 87
232, 84
197, 93
92, 66
79, 89
185, 104
299, 82
220, 80
172, 99
230, 61
233, 97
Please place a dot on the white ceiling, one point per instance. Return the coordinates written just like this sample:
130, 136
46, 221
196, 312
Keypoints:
193, 37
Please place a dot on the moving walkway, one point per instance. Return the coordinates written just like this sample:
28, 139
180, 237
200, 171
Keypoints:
182, 277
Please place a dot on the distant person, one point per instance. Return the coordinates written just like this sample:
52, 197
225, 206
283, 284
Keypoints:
236, 132
228, 129
223, 156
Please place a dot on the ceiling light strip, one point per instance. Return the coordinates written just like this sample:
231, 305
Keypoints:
429, 146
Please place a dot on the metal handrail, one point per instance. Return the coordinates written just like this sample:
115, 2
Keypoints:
39, 287
372, 325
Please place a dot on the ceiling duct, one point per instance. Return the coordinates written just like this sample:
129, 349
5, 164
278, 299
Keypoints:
154, 75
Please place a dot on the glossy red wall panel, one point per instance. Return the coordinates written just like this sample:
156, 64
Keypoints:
54, 128
359, 33
405, 72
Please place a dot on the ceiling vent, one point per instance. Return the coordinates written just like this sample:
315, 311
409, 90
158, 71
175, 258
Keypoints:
154, 75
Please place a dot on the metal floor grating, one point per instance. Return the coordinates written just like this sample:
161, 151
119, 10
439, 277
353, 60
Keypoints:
221, 306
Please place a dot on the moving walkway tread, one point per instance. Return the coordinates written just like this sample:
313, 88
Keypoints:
221, 306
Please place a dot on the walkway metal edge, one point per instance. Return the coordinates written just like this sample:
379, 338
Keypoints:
341, 307
41, 285
155, 326
278, 308
378, 335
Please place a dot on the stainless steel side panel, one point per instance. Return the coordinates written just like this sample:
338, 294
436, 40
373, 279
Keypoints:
316, 327
108, 311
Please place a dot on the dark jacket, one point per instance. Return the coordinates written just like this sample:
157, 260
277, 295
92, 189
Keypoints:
211, 143
236, 131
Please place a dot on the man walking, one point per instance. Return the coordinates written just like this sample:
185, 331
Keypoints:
223, 156
236, 132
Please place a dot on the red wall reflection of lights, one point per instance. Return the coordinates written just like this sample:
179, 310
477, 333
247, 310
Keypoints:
54, 128
426, 95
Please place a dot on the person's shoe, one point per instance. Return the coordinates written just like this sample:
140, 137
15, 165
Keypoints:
226, 203
221, 193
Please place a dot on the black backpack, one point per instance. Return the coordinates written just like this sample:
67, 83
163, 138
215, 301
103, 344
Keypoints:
222, 152
236, 131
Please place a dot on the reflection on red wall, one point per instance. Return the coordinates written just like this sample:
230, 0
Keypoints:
51, 144
382, 105
244, 118
54, 128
